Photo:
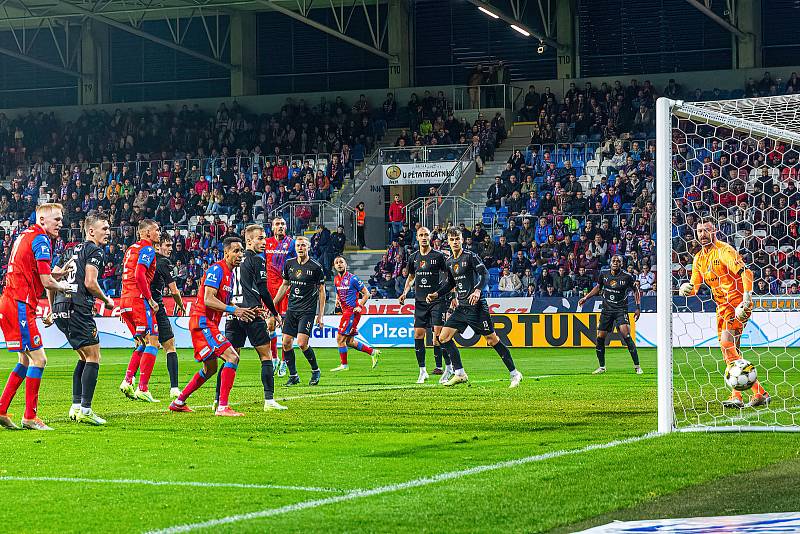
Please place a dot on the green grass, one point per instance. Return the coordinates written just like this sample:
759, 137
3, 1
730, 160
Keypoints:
365, 429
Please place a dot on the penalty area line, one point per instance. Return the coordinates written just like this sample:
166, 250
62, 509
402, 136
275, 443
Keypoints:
416, 483
136, 482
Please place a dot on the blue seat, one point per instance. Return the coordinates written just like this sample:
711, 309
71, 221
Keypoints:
488, 220
503, 211
489, 210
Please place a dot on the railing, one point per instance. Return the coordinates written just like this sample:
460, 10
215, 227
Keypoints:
439, 210
301, 214
478, 97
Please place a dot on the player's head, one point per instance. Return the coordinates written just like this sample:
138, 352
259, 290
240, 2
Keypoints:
279, 227
96, 227
706, 231
616, 263
233, 250
340, 264
164, 244
301, 246
148, 229
424, 237
454, 239
50, 217
255, 238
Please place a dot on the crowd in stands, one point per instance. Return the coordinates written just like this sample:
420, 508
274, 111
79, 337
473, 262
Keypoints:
200, 175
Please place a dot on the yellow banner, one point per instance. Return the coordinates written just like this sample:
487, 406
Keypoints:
568, 330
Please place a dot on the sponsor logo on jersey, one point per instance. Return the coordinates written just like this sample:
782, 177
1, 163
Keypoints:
37, 340
613, 283
204, 351
455, 267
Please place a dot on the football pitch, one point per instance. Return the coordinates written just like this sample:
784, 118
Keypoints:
371, 451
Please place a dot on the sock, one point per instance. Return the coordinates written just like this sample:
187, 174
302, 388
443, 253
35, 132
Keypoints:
419, 350
15, 379
632, 349
194, 384
757, 389
445, 357
312, 358
218, 387
267, 379
343, 355
600, 348
32, 380
76, 382
227, 376
291, 363
273, 345
172, 368
437, 355
89, 382
133, 366
147, 364
362, 347
455, 355
505, 355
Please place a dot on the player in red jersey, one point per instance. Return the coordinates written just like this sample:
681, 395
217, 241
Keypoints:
213, 299
29, 274
348, 290
139, 310
280, 247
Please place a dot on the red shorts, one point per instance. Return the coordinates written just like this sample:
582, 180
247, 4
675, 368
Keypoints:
284, 305
348, 326
18, 322
139, 317
209, 342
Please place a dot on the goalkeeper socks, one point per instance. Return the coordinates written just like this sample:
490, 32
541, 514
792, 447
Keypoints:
227, 376
76, 382
757, 389
455, 355
194, 384
437, 355
601, 351
505, 355
419, 350
146, 366
267, 379
15, 379
312, 358
133, 366
288, 357
343, 355
89, 383
172, 369
362, 347
632, 349
729, 351
33, 378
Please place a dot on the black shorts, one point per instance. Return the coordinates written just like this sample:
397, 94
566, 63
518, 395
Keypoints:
165, 332
77, 325
429, 315
477, 317
611, 319
238, 332
295, 323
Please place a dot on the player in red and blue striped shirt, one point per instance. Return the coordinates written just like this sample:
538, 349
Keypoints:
348, 290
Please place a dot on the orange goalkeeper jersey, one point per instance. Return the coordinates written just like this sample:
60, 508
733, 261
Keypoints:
720, 267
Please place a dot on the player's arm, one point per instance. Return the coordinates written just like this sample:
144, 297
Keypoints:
146, 257
212, 302
266, 298
92, 285
690, 288
49, 319
637, 299
180, 307
735, 264
321, 311
593, 293
281, 292
482, 276
445, 288
41, 253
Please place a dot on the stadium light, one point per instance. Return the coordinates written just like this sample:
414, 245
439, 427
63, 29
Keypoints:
520, 30
493, 15
540, 48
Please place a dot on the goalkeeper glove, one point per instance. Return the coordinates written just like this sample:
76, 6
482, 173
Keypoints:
686, 289
743, 309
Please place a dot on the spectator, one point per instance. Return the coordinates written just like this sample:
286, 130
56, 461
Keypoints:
397, 215
510, 284
361, 221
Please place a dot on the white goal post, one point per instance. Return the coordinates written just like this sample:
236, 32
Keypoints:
701, 150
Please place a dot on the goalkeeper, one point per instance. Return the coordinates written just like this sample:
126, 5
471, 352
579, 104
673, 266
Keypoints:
721, 268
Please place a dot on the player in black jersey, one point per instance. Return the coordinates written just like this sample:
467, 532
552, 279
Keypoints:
163, 281
250, 291
304, 281
614, 288
427, 270
73, 312
468, 275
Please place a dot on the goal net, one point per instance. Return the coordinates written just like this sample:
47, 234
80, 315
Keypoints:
734, 161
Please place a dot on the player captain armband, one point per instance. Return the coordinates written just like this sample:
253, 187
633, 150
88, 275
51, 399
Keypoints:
230, 308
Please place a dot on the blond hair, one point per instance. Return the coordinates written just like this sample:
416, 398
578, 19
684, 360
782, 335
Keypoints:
46, 209
252, 229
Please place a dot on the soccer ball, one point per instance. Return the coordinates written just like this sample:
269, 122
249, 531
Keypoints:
740, 375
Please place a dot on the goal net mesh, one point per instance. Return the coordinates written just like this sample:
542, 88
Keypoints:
737, 161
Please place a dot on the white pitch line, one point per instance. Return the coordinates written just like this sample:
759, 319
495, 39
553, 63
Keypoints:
416, 483
135, 482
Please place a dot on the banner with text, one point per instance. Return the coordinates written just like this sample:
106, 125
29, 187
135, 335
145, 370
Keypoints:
434, 172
